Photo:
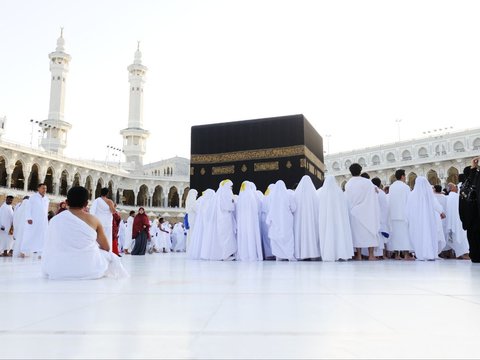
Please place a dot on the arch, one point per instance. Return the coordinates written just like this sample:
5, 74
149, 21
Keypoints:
98, 188
336, 166
88, 186
33, 179
173, 199
142, 197
406, 155
184, 197
458, 146
344, 182
391, 157
3, 171
433, 178
476, 144
392, 178
452, 175
422, 153
362, 162
76, 180
110, 190
64, 183
49, 180
411, 180
376, 160
348, 163
157, 198
18, 179
128, 197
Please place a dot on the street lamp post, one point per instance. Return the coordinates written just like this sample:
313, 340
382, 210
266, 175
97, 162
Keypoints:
328, 136
398, 121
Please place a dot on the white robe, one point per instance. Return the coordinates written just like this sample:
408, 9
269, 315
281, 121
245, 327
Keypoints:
6, 222
165, 241
122, 229
179, 238
249, 240
220, 232
72, 253
442, 200
457, 237
280, 222
305, 220
19, 222
364, 212
101, 210
265, 206
129, 240
397, 199
34, 234
425, 228
335, 234
198, 242
191, 210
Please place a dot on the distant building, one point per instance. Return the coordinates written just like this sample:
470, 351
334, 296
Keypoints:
161, 186
440, 158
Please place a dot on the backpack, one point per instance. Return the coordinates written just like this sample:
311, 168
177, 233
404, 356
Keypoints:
468, 205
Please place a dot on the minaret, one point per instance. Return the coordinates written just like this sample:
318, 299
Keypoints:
134, 136
55, 128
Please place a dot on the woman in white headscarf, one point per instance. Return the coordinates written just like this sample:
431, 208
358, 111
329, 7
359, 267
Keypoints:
191, 210
307, 245
202, 207
220, 234
424, 221
265, 206
334, 222
280, 222
249, 240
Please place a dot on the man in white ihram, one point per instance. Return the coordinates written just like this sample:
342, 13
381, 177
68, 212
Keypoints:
457, 237
76, 246
399, 241
103, 208
364, 212
6, 221
36, 214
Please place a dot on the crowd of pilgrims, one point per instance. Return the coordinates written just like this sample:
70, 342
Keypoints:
364, 221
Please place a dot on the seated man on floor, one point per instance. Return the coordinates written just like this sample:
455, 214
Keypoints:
76, 246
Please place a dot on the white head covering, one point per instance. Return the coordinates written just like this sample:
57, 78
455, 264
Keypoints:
306, 220
203, 205
424, 221
280, 221
248, 224
333, 222
190, 201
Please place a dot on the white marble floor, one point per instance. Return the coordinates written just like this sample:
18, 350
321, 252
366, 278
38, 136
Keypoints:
175, 308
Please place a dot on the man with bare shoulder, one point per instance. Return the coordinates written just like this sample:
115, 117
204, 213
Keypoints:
76, 246
103, 208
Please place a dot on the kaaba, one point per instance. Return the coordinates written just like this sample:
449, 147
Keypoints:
261, 150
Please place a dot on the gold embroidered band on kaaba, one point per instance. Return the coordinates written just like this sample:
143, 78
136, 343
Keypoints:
260, 154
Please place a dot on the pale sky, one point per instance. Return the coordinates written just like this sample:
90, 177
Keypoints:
351, 67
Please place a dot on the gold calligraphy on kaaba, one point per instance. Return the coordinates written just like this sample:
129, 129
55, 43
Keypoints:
259, 154
222, 170
266, 166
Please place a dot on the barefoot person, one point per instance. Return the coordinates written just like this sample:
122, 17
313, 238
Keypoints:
76, 246
364, 212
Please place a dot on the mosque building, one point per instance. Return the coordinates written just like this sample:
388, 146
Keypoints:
161, 187
440, 156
